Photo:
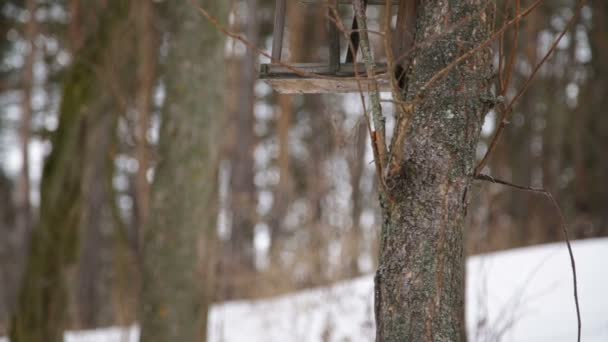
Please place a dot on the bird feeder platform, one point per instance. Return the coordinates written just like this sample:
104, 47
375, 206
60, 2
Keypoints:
318, 78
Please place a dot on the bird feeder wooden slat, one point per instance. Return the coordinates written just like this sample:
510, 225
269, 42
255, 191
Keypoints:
317, 78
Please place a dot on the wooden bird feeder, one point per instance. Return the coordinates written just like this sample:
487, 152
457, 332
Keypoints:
317, 78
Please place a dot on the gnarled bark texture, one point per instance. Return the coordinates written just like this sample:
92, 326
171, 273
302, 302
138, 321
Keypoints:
178, 241
420, 279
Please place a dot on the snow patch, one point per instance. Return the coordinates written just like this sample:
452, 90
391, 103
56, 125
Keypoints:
518, 295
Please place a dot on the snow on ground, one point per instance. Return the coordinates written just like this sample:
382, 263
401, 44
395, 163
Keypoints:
518, 295
528, 293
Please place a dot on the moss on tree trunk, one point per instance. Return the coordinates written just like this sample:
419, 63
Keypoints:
41, 313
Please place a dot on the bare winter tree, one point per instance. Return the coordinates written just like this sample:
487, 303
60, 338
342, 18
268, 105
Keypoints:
445, 91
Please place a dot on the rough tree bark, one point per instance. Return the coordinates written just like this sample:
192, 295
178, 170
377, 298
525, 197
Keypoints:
420, 279
178, 243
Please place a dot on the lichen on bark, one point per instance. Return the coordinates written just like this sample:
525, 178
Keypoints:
420, 279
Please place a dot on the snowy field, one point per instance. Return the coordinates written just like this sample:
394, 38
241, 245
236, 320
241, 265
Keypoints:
519, 295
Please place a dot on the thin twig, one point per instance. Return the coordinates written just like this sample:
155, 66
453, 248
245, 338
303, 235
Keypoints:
501, 50
372, 134
376, 107
440, 74
433, 38
513, 54
399, 133
507, 112
562, 219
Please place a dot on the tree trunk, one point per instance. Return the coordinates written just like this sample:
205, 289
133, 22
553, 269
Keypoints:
241, 252
23, 184
94, 271
146, 76
420, 280
179, 241
591, 132
283, 193
356, 166
321, 145
8, 249
41, 310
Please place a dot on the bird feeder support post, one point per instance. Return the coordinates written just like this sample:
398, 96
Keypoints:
353, 46
279, 28
334, 36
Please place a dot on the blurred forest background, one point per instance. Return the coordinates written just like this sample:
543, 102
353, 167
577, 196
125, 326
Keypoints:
288, 195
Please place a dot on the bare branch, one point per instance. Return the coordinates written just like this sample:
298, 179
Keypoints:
562, 222
507, 112
509, 67
471, 52
376, 107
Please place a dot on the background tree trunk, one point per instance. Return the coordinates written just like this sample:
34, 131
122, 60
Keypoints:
41, 313
420, 279
146, 79
8, 248
93, 286
240, 255
101, 225
179, 242
591, 133
23, 185
356, 166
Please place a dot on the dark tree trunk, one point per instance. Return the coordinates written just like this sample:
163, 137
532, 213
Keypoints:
241, 252
591, 133
9, 270
320, 145
420, 279
93, 292
147, 49
23, 184
286, 113
355, 235
41, 313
